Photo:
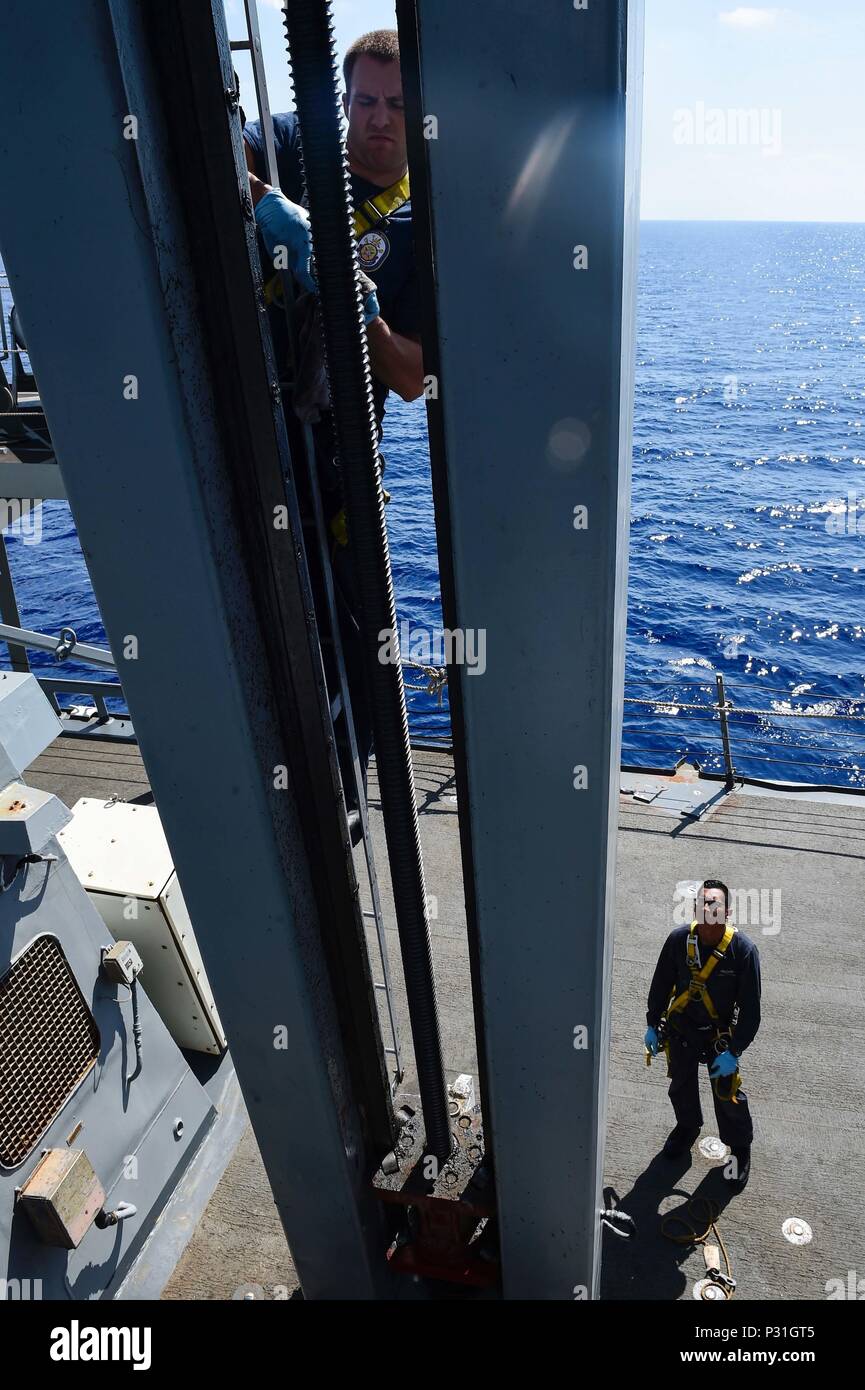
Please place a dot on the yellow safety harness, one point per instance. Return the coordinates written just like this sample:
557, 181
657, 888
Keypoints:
373, 211
366, 217
697, 991
699, 977
376, 209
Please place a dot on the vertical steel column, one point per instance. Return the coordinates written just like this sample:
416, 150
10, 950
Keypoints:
524, 165
153, 330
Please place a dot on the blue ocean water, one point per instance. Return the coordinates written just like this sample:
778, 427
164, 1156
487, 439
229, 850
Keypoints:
747, 515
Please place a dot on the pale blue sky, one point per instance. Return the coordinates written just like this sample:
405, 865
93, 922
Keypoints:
798, 67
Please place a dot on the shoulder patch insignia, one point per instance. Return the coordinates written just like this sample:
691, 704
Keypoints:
372, 249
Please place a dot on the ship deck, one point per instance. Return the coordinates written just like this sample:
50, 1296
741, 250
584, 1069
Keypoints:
802, 1075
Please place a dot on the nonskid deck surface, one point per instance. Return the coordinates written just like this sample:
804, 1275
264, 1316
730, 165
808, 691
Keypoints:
802, 1075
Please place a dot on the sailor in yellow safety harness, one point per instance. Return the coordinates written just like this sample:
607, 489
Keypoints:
376, 154
378, 171
704, 1006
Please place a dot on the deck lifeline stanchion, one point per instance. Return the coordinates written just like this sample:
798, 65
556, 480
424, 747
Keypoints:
725, 733
311, 42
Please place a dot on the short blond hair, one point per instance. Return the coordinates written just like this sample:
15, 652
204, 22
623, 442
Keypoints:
381, 44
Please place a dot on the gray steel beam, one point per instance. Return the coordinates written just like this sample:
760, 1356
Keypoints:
153, 328
189, 49
529, 153
38, 481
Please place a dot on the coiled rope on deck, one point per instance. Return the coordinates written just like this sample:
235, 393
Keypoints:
693, 1235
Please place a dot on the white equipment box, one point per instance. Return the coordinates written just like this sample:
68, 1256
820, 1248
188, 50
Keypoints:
121, 856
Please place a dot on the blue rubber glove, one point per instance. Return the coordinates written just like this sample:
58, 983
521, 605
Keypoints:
724, 1065
283, 223
652, 1041
371, 309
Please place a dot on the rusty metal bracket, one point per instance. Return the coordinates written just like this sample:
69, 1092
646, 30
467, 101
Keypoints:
450, 1203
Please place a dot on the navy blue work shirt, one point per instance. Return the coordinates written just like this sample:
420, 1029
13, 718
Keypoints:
733, 986
386, 253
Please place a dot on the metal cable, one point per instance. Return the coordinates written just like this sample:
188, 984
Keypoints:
792, 714
742, 709
667, 681
136, 1030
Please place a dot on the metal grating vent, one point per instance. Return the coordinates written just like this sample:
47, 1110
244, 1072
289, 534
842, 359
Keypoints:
48, 1043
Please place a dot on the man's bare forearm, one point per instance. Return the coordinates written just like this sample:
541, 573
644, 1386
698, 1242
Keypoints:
257, 187
396, 360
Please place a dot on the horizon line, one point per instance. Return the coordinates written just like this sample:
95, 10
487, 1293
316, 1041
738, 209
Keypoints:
768, 221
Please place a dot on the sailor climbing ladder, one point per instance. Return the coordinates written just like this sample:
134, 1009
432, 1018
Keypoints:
328, 622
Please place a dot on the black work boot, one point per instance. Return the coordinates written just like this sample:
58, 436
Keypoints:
743, 1168
680, 1140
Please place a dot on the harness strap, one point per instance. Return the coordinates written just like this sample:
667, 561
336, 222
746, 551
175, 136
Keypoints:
697, 988
382, 205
